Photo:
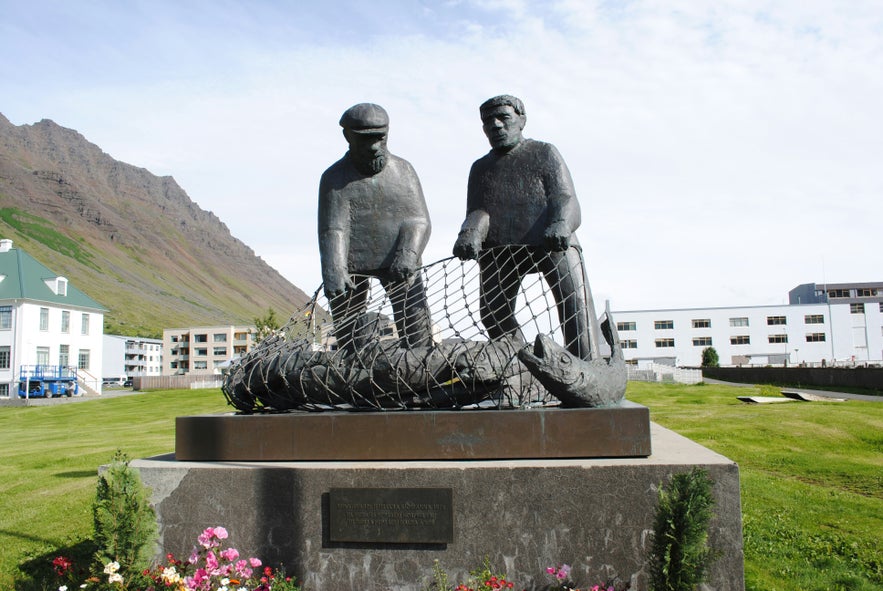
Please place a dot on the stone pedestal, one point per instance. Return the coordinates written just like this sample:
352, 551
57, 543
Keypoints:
523, 514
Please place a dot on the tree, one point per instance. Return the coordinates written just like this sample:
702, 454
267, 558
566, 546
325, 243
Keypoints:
266, 325
709, 357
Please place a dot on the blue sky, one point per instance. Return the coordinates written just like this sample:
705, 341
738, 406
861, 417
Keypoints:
723, 152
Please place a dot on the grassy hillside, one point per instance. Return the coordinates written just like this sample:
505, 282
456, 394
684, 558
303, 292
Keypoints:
132, 241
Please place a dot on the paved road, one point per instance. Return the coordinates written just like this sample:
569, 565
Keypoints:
109, 393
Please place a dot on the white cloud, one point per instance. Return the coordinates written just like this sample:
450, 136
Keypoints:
721, 151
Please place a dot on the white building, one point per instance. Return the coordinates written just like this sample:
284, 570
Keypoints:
48, 327
129, 357
845, 329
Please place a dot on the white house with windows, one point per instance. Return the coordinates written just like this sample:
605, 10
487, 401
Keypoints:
833, 325
47, 326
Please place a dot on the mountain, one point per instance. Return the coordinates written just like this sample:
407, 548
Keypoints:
132, 241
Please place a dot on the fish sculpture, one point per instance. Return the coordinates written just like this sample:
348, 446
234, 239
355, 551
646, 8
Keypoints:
578, 383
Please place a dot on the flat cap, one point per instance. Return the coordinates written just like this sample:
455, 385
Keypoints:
365, 118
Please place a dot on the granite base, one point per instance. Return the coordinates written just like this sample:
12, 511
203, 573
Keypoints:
524, 515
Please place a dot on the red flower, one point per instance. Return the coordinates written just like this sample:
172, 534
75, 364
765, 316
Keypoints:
268, 571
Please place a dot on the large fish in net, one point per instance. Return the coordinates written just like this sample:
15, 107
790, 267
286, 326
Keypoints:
366, 360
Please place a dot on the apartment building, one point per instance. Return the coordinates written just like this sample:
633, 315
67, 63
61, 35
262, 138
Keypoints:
130, 357
203, 350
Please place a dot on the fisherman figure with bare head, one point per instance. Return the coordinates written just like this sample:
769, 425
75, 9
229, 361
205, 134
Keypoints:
373, 222
521, 215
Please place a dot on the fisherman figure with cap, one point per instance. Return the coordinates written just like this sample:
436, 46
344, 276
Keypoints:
521, 200
373, 222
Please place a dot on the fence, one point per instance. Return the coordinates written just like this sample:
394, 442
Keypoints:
186, 382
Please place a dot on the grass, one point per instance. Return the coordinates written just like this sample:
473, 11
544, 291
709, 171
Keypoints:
811, 476
48, 468
811, 480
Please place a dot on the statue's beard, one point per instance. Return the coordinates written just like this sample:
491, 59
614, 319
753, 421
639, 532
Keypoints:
370, 166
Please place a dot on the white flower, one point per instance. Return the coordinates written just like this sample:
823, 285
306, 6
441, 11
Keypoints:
111, 567
170, 575
62, 588
115, 578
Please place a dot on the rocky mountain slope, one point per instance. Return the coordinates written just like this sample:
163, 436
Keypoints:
132, 241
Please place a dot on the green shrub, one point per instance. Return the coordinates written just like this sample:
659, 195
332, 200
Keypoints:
680, 556
124, 522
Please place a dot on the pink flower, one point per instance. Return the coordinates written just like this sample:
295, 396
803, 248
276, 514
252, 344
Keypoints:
211, 563
550, 570
255, 562
243, 570
194, 557
230, 554
220, 533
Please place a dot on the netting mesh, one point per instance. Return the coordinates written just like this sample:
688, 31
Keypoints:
448, 338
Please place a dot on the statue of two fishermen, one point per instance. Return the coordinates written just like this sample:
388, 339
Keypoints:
521, 215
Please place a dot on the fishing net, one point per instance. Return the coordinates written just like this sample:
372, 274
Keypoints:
448, 338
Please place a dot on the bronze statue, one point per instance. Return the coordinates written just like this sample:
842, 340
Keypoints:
520, 195
521, 217
373, 222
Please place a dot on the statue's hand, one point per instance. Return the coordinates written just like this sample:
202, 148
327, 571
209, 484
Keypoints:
557, 236
338, 286
466, 247
404, 265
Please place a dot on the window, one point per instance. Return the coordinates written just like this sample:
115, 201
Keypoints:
200, 351
219, 337
5, 317
739, 321
42, 355
4, 357
663, 324
773, 320
815, 337
881, 309
857, 308
742, 339
778, 338
64, 356
702, 323
626, 326
84, 328
200, 338
838, 293
813, 319
4, 390
866, 292
44, 318
200, 365
701, 341
65, 321
662, 343
61, 286
83, 359
219, 351
629, 344
173, 338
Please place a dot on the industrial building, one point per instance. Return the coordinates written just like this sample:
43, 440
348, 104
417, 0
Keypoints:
828, 324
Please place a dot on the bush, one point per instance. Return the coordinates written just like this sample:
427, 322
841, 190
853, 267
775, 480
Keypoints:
680, 556
124, 522
710, 357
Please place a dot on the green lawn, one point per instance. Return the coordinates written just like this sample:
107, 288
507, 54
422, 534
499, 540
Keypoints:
811, 473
